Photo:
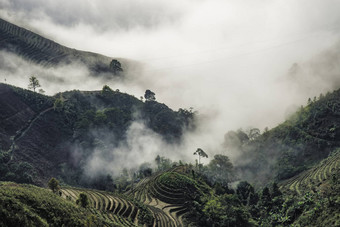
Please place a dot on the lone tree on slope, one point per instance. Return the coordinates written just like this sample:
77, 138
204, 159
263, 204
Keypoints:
115, 66
83, 200
33, 83
53, 184
200, 154
149, 95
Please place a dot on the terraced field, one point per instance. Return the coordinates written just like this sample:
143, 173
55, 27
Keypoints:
312, 178
118, 210
45, 52
161, 197
165, 203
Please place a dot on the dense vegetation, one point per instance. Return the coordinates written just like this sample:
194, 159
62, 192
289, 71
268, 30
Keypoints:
307, 137
184, 196
27, 205
42, 133
14, 127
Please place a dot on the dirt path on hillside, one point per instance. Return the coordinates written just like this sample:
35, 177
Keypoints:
24, 130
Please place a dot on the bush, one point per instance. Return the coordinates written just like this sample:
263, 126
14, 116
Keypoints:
53, 184
83, 200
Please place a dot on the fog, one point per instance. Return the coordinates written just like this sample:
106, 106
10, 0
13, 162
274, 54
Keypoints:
232, 61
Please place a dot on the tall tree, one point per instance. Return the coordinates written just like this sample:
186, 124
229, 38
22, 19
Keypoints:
244, 189
220, 169
266, 199
200, 154
33, 83
158, 161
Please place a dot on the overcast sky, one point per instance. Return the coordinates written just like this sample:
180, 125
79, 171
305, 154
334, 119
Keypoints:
228, 59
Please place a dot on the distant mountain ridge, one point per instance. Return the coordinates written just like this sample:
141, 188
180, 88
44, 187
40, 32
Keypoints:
43, 51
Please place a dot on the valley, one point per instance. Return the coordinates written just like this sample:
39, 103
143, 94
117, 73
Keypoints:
104, 157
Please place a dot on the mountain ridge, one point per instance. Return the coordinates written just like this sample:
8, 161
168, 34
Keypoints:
48, 53
39, 133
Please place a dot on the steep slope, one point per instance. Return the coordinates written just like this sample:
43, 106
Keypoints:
39, 134
161, 200
48, 53
21, 112
322, 208
183, 194
169, 192
27, 205
117, 208
313, 179
302, 141
177, 197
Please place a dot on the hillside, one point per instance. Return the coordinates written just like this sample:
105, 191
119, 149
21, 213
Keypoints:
27, 205
314, 178
178, 197
37, 49
38, 133
170, 198
302, 141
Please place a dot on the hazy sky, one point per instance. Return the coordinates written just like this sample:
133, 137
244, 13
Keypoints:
228, 59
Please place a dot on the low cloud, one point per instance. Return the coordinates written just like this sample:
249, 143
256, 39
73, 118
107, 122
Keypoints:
141, 145
16, 71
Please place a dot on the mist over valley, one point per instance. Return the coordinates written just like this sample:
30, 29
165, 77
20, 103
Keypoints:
157, 113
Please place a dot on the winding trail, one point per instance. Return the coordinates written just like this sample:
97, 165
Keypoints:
24, 130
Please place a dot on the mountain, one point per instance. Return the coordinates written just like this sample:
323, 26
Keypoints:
168, 198
179, 196
37, 49
40, 134
307, 137
27, 205
314, 178
287, 176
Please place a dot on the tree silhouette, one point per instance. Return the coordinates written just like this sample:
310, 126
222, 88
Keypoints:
254, 133
115, 66
200, 154
149, 95
221, 169
83, 200
41, 91
244, 189
33, 83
